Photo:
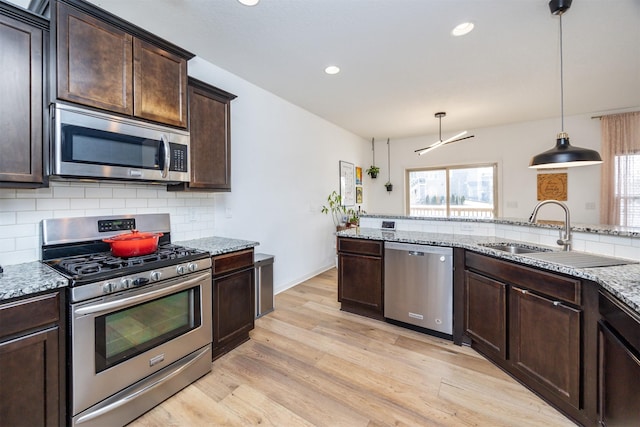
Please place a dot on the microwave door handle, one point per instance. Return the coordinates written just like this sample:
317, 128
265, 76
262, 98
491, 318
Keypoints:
167, 155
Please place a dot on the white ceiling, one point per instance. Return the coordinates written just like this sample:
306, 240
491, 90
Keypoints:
400, 65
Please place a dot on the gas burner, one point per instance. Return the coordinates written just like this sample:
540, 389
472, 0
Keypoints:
98, 266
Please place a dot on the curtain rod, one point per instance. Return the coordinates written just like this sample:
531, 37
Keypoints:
613, 114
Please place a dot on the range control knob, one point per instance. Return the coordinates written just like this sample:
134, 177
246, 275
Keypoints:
126, 283
181, 269
155, 276
108, 287
193, 266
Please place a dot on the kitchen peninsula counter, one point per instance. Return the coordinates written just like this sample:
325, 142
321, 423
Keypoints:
622, 281
218, 245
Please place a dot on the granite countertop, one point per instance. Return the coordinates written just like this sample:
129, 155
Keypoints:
218, 245
622, 281
33, 277
28, 278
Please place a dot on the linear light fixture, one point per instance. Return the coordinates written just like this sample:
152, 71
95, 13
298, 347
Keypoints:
440, 142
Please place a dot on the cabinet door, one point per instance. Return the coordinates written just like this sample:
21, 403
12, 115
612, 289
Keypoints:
160, 85
94, 62
29, 387
619, 388
21, 107
545, 343
209, 123
485, 317
360, 283
233, 307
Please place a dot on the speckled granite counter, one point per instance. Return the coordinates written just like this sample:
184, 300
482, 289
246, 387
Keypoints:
218, 245
32, 277
28, 278
621, 281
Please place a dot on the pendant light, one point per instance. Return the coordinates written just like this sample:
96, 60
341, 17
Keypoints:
440, 142
563, 155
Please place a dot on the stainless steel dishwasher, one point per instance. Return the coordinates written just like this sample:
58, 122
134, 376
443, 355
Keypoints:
418, 286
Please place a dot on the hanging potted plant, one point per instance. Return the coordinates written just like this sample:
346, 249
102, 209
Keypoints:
373, 171
389, 186
336, 209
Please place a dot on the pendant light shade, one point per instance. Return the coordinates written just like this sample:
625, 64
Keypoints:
563, 155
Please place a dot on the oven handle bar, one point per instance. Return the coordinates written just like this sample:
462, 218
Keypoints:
125, 302
193, 358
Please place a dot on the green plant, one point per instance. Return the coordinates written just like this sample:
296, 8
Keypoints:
373, 171
335, 208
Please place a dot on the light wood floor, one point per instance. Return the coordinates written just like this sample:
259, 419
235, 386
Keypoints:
310, 364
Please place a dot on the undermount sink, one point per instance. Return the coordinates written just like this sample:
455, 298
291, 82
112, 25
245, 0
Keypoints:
515, 248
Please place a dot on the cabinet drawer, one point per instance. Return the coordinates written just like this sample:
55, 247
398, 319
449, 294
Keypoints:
360, 246
232, 261
621, 319
27, 314
552, 285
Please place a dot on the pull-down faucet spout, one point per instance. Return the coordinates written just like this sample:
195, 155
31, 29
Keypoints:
565, 237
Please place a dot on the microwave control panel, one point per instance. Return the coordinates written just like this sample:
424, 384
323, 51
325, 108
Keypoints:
178, 158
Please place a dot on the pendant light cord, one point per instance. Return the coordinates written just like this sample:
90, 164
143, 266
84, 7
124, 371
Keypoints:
388, 161
561, 80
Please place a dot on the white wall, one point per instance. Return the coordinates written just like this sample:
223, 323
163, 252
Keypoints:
284, 165
512, 147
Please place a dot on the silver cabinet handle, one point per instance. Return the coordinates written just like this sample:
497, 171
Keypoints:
415, 253
557, 303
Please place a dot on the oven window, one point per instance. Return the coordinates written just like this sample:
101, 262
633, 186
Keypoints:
126, 333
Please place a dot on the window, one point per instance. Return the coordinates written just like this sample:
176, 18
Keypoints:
620, 192
455, 191
627, 185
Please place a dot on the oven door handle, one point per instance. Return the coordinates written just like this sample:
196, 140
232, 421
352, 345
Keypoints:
148, 296
144, 388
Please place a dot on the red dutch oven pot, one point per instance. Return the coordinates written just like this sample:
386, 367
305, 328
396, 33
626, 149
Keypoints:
133, 244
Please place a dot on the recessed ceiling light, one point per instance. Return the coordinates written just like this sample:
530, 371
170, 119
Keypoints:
462, 29
332, 69
249, 2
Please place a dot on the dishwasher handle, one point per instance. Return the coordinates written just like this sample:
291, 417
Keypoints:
415, 253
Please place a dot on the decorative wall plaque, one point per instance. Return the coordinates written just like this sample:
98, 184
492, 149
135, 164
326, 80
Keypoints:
552, 186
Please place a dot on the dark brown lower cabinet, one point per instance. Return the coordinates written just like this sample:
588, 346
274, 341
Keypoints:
233, 300
32, 362
539, 327
486, 313
360, 277
545, 341
619, 366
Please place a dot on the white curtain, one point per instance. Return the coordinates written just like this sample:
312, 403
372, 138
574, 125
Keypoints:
620, 192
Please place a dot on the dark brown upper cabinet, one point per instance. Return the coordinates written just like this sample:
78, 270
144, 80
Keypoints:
107, 63
22, 40
209, 126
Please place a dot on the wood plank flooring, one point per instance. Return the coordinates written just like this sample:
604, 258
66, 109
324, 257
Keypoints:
310, 364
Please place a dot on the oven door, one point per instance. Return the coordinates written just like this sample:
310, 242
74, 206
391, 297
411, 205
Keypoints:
122, 338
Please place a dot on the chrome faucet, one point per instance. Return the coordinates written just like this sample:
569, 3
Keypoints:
565, 238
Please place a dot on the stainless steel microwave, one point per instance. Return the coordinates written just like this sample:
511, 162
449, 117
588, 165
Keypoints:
95, 145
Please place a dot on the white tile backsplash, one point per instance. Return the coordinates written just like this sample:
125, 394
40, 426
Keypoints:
21, 211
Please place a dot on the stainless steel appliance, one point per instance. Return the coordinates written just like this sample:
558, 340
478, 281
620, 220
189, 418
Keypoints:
263, 264
91, 144
139, 328
418, 286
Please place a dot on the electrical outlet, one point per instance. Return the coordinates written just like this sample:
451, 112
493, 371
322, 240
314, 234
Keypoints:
591, 206
228, 213
512, 204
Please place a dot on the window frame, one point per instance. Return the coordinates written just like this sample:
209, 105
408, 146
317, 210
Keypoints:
448, 169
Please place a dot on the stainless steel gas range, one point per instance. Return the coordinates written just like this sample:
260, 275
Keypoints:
139, 328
